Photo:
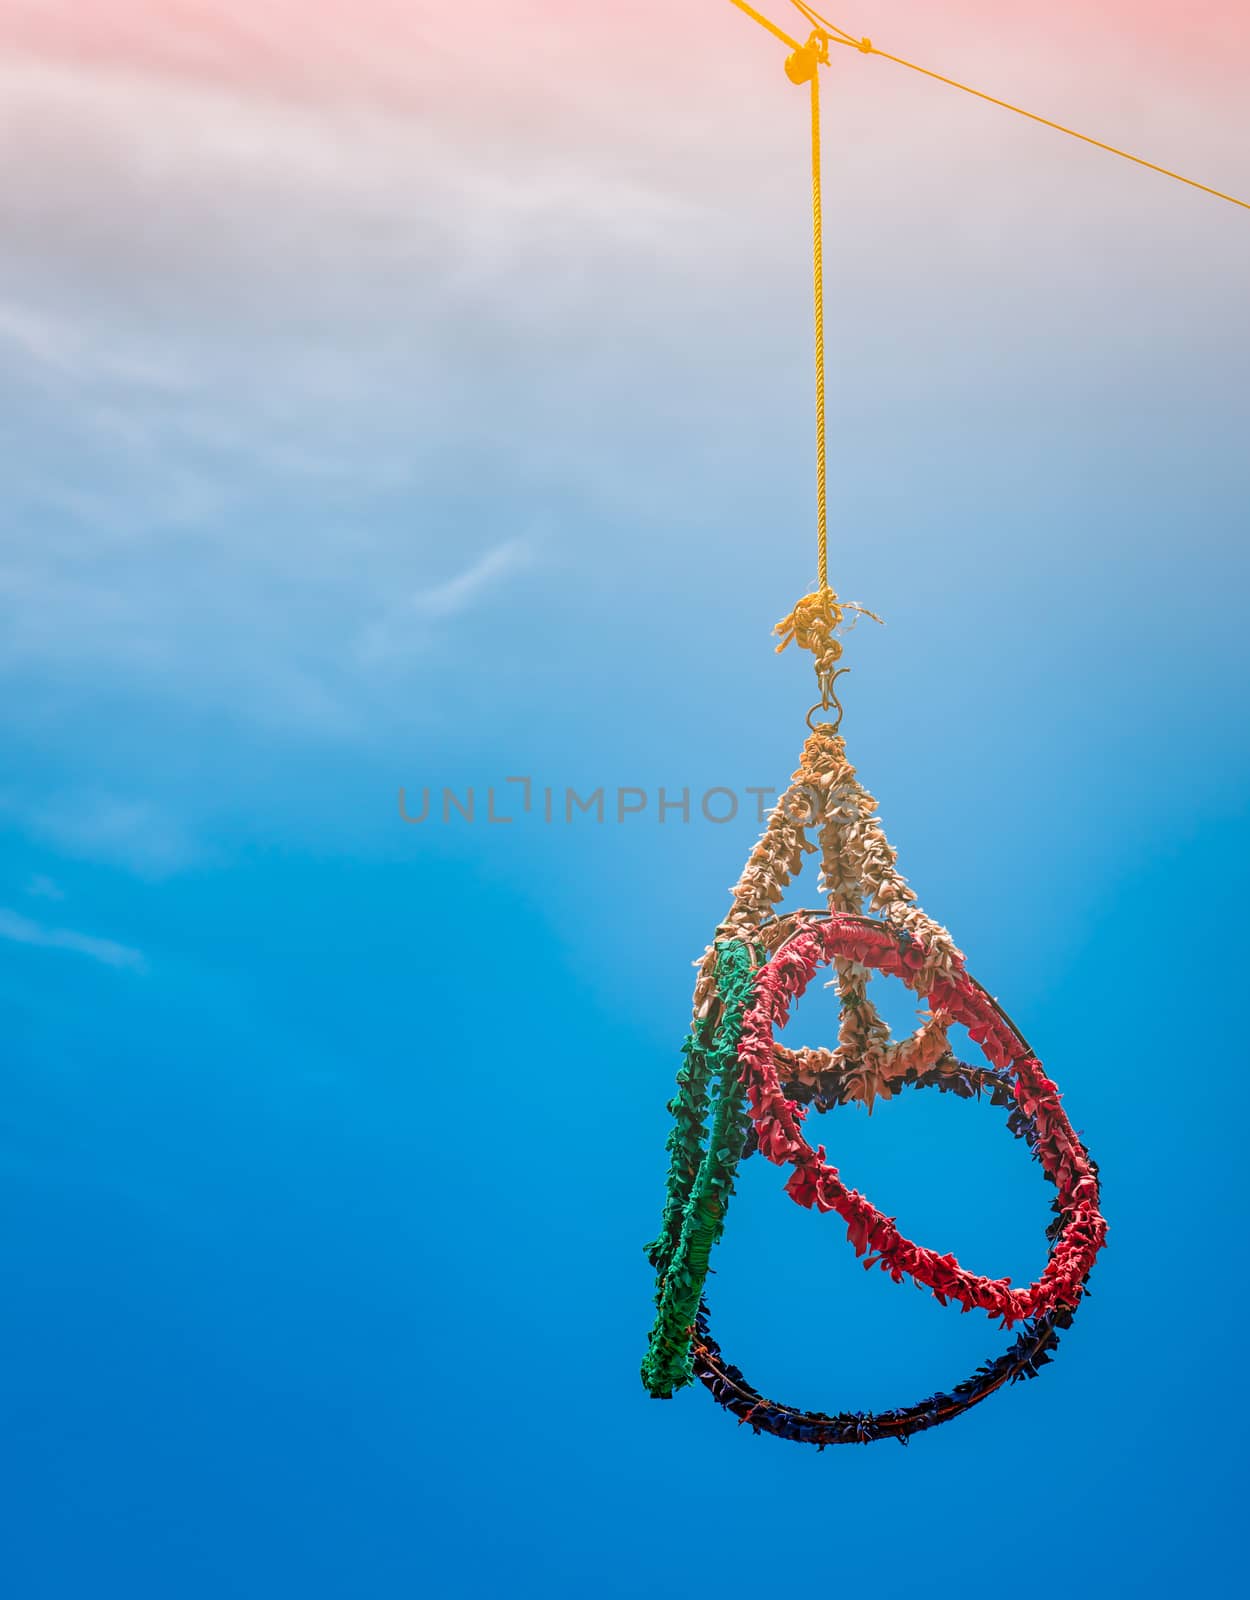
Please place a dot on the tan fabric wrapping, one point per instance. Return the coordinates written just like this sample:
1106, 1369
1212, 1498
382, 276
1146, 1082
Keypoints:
857, 875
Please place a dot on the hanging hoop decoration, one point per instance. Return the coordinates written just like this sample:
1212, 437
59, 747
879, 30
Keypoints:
740, 1092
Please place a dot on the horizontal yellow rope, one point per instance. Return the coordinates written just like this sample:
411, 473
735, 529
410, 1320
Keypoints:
835, 35
765, 23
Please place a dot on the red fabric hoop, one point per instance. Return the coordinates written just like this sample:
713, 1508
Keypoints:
778, 1122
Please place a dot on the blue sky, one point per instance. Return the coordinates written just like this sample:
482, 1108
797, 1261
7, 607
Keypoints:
364, 433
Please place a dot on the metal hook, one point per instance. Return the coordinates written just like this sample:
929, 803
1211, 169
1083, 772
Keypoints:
828, 700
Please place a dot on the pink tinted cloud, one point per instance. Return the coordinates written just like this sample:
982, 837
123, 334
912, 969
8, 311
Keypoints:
313, 44
337, 244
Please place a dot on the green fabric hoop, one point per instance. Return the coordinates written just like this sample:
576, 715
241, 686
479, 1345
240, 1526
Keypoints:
700, 1181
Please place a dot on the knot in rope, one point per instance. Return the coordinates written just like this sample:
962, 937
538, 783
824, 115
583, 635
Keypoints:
813, 625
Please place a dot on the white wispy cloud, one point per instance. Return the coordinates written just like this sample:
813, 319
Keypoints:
405, 627
457, 594
193, 507
18, 929
257, 361
137, 835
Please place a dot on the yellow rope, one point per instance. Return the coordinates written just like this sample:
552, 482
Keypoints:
815, 618
813, 623
1111, 149
765, 23
818, 294
866, 47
